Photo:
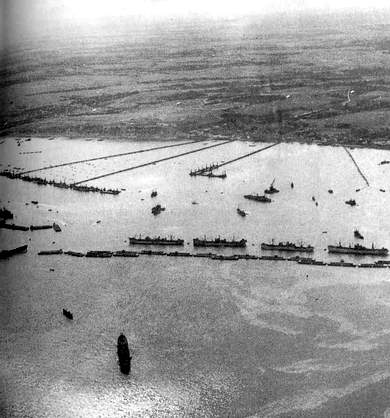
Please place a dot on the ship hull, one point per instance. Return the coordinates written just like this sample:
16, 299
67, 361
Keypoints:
219, 244
155, 242
367, 251
283, 248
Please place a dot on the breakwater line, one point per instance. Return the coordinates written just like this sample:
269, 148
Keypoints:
357, 166
151, 162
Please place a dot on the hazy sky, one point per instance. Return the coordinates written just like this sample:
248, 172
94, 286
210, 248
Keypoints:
93, 9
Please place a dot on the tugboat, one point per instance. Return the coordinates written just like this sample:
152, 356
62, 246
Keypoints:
351, 202
123, 354
67, 314
357, 234
154, 193
241, 212
258, 198
156, 210
357, 249
218, 242
271, 189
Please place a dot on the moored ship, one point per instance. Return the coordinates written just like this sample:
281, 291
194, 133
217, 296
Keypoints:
218, 242
155, 241
287, 246
258, 198
357, 249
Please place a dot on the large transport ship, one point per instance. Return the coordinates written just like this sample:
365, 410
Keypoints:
155, 241
258, 198
288, 246
218, 242
357, 249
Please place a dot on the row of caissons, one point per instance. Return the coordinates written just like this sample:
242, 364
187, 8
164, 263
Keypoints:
60, 184
213, 256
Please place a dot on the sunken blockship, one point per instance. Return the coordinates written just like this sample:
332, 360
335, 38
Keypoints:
155, 241
218, 242
357, 249
123, 354
43, 182
287, 246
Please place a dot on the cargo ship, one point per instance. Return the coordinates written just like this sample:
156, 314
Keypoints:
155, 241
287, 246
123, 354
218, 242
258, 198
357, 249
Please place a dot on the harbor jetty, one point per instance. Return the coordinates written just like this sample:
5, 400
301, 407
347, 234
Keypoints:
9, 253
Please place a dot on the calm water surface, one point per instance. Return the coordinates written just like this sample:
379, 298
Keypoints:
246, 338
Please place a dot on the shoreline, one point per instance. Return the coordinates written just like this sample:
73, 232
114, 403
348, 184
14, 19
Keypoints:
23, 136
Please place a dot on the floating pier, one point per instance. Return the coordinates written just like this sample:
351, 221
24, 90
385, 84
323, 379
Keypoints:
48, 167
152, 162
357, 166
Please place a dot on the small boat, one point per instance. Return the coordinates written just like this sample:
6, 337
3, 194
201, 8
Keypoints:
154, 193
330, 191
67, 314
123, 354
382, 190
56, 227
357, 234
351, 202
271, 189
241, 212
292, 185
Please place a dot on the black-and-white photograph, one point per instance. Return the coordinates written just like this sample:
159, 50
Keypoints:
194, 208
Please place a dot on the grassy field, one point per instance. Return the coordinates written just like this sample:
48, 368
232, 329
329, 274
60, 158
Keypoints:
259, 79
